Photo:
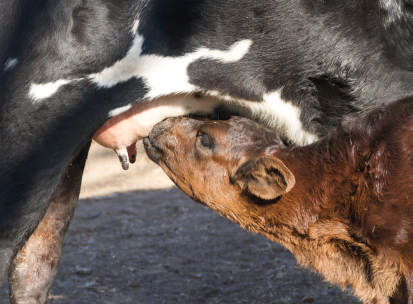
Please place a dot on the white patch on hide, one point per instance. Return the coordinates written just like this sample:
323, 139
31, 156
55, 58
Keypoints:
278, 114
38, 92
135, 27
120, 110
10, 63
163, 75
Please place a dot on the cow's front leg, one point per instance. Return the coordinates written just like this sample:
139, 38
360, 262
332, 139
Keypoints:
35, 266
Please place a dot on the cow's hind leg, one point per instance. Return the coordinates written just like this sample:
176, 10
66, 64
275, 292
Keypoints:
33, 270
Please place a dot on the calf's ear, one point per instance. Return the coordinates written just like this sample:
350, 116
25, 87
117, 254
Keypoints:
265, 177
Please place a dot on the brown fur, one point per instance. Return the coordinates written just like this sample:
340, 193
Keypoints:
342, 205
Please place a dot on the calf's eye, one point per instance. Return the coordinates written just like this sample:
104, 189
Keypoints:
205, 141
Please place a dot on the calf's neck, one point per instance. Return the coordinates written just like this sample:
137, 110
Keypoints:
342, 205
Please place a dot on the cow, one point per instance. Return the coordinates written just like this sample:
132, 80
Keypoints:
70, 68
342, 205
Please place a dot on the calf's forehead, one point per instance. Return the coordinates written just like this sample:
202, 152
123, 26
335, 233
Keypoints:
234, 138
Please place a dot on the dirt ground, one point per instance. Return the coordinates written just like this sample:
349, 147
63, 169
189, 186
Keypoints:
136, 238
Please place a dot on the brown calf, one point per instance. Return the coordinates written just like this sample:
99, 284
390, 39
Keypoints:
342, 206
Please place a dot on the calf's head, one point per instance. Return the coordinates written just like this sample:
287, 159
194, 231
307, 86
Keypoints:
220, 163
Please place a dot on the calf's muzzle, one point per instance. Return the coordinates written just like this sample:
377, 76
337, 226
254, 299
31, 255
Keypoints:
151, 143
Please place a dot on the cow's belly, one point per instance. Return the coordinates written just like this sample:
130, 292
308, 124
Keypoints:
129, 125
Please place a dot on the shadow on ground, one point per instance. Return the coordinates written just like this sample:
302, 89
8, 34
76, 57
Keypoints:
160, 247
152, 244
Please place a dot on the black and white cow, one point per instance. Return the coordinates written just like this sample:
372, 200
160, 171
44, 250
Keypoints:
70, 65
